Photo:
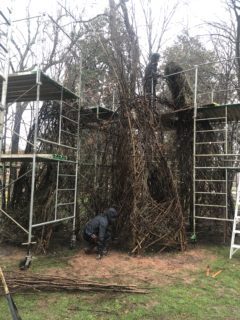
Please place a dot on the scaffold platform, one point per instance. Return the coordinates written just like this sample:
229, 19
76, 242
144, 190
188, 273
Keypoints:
219, 112
22, 87
211, 112
41, 157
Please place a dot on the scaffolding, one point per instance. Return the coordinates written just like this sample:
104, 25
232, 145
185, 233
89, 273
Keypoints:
216, 159
37, 86
222, 162
215, 111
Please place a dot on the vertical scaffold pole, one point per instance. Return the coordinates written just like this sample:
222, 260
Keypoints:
58, 163
3, 105
77, 157
36, 114
226, 174
38, 82
226, 152
194, 148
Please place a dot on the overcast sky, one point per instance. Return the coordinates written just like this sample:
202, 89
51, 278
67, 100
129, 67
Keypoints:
190, 14
190, 11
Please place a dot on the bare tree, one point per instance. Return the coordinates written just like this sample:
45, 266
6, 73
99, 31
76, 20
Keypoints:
157, 24
225, 37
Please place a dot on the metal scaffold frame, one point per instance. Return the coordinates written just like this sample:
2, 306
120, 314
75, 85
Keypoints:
37, 86
227, 162
22, 87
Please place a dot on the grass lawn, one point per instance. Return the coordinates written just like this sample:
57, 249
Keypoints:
194, 296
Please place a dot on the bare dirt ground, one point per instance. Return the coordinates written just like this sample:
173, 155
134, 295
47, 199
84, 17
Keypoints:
121, 268
156, 269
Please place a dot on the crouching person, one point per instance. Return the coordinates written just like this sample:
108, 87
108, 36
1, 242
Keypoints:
97, 232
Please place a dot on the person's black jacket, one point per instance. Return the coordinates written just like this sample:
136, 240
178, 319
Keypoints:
99, 227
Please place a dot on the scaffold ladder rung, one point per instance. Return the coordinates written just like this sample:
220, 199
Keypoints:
207, 119
210, 192
217, 167
65, 204
213, 130
218, 155
210, 142
213, 218
209, 180
235, 246
209, 205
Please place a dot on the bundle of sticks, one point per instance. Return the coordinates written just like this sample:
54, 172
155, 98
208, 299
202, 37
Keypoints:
22, 282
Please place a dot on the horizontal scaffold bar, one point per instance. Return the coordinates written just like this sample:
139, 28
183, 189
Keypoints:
211, 168
29, 157
213, 192
213, 218
213, 130
209, 180
209, 205
210, 142
207, 119
65, 204
51, 222
218, 155
56, 144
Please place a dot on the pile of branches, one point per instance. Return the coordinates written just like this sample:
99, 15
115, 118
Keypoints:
152, 217
181, 103
20, 282
157, 218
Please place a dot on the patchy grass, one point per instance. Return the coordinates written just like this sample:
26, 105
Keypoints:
59, 258
53, 260
199, 298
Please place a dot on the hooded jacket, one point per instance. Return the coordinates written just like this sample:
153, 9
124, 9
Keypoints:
99, 226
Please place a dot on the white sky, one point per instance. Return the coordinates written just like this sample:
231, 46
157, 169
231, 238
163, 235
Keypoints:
190, 13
